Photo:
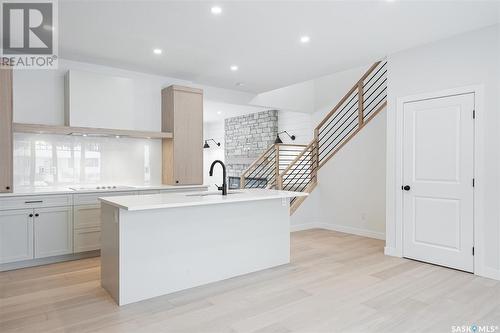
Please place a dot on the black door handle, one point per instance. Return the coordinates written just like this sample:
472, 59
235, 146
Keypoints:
406, 187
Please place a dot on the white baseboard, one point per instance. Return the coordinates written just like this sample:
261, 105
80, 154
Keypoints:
488, 272
48, 260
352, 230
303, 226
339, 228
391, 251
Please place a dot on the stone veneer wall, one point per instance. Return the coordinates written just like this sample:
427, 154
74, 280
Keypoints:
247, 137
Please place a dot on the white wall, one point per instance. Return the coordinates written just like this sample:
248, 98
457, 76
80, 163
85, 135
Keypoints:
352, 184
296, 123
296, 97
464, 60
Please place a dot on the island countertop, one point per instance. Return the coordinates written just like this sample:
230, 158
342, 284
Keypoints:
173, 200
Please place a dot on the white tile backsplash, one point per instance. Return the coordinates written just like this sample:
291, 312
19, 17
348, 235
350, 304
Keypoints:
57, 160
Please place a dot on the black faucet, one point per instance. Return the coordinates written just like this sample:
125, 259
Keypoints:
211, 173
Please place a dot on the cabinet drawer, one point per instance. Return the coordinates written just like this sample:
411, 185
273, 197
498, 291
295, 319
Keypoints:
87, 239
92, 198
35, 201
87, 216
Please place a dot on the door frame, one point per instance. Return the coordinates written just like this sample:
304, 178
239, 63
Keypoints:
395, 225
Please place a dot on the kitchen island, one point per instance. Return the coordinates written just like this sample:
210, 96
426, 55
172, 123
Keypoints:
157, 244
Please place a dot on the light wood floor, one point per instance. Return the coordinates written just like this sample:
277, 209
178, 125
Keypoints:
335, 283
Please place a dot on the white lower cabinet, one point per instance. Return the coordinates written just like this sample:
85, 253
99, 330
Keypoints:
16, 235
42, 226
53, 231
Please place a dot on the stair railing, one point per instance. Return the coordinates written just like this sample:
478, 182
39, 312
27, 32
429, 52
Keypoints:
296, 168
264, 172
363, 102
301, 172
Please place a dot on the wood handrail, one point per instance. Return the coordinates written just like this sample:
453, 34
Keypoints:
346, 96
295, 160
266, 152
261, 157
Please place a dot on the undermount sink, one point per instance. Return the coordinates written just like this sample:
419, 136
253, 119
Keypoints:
211, 193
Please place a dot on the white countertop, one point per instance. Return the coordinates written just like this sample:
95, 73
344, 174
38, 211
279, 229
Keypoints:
25, 191
173, 200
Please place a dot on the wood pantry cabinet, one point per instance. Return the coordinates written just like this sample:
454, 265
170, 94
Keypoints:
5, 129
182, 115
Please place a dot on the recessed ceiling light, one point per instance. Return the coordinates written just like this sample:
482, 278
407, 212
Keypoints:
219, 112
239, 84
234, 68
305, 39
157, 51
216, 10
117, 136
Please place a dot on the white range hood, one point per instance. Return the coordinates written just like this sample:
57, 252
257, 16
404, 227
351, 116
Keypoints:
99, 101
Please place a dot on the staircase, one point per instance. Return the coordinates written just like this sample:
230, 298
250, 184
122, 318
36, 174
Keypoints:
292, 167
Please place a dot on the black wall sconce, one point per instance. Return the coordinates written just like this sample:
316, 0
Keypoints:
278, 139
206, 143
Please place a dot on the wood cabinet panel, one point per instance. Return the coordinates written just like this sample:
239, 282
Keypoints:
182, 114
6, 105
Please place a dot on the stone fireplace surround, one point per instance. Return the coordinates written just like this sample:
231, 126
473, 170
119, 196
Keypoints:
247, 137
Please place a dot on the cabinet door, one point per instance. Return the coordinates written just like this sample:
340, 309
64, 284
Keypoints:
182, 114
16, 235
188, 138
53, 231
5, 129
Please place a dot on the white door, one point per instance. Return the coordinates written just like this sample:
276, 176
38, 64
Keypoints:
438, 171
53, 231
16, 235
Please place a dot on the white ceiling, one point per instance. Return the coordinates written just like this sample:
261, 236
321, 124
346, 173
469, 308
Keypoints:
261, 37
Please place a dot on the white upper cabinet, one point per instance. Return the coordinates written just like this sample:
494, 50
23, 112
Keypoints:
99, 101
